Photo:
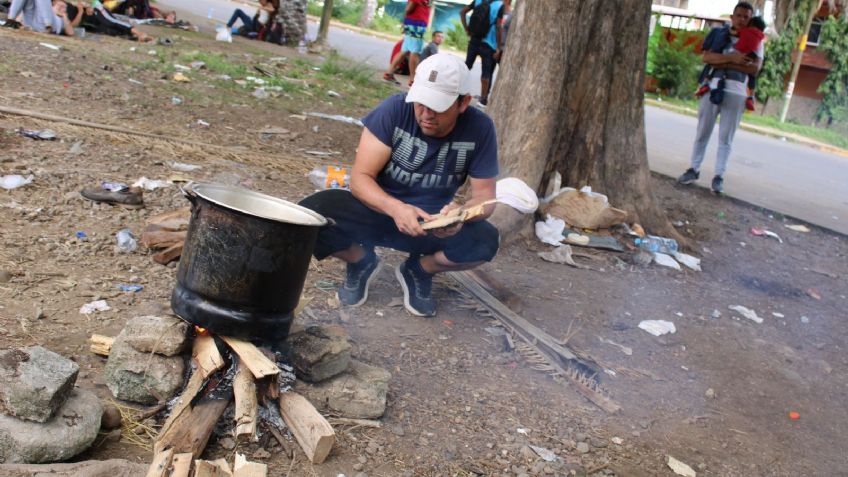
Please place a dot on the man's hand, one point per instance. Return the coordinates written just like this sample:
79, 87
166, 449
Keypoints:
407, 217
497, 55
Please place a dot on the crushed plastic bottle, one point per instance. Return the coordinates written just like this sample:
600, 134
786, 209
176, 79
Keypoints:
126, 241
330, 177
652, 243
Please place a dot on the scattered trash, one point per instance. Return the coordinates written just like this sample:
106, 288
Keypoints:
14, 181
765, 233
135, 82
814, 293
688, 261
96, 305
181, 67
183, 167
657, 327
777, 315
176, 100
794, 415
666, 260
550, 231
679, 314
131, 288
578, 239
260, 93
150, 184
81, 235
126, 241
42, 135
805, 320
28, 74
165, 41
198, 65
545, 454
798, 228
181, 78
582, 208
710, 393
114, 186
333, 94
521, 430
747, 313
256, 80
201, 123
561, 254
516, 194
680, 468
151, 52
617, 440
223, 33
624, 349
716, 314
330, 177
336, 117
51, 46
655, 244
299, 116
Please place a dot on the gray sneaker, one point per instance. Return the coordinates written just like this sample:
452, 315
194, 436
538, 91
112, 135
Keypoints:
416, 284
354, 290
689, 177
718, 185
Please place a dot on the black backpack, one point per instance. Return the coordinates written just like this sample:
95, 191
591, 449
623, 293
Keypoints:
479, 24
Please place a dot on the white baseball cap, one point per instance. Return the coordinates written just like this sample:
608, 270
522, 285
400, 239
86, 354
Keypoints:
439, 80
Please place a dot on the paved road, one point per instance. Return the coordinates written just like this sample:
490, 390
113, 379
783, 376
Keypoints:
791, 179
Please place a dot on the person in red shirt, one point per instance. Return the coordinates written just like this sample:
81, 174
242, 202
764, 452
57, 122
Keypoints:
415, 21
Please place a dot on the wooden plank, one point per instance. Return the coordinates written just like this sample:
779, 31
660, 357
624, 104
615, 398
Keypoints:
181, 465
169, 254
161, 463
252, 357
206, 356
191, 430
216, 468
312, 431
101, 344
557, 355
161, 238
244, 388
176, 219
243, 468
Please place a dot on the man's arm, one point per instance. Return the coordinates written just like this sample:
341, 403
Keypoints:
733, 61
80, 9
371, 157
410, 6
481, 191
463, 13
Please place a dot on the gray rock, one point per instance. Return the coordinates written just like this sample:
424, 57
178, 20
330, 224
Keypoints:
319, 352
36, 382
71, 430
582, 447
142, 377
88, 468
360, 392
163, 335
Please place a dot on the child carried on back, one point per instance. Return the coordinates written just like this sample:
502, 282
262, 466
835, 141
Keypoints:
749, 41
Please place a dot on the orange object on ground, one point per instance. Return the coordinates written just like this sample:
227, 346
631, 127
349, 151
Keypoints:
794, 415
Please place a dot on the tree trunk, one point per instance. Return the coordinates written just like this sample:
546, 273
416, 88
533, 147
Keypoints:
369, 7
782, 11
569, 98
292, 15
324, 26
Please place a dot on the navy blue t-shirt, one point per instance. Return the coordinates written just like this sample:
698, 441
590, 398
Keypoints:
426, 171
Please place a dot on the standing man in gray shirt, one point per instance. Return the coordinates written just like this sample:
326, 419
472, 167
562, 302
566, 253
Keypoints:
433, 47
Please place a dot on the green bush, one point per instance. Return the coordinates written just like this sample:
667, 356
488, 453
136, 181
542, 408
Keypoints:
347, 12
456, 37
387, 24
653, 44
676, 66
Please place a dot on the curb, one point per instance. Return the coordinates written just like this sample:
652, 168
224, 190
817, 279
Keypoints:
759, 129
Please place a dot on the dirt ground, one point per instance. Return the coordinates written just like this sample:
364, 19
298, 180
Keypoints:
716, 394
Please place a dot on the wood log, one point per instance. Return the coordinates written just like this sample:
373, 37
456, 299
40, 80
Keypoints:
173, 220
252, 357
312, 431
181, 465
101, 344
348, 421
214, 468
243, 468
246, 410
169, 254
207, 360
161, 463
191, 430
161, 238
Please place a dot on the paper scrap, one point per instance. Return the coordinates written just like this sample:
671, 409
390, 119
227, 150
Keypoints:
657, 327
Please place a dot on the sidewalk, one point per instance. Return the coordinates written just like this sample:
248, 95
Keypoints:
776, 133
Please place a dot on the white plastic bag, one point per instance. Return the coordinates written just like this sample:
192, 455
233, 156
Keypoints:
14, 181
518, 195
550, 231
224, 34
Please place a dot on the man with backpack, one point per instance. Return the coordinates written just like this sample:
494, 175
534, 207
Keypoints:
730, 106
484, 32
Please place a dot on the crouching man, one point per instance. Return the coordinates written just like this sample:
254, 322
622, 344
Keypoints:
414, 153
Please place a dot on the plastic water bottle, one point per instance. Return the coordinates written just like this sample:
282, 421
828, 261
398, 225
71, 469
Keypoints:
209, 13
126, 241
652, 243
330, 177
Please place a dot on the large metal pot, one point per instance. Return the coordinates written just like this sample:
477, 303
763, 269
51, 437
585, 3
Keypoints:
244, 261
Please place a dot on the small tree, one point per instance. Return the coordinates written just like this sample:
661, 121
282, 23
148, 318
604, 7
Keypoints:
778, 60
834, 41
675, 65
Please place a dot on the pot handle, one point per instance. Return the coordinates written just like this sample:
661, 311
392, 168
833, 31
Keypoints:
189, 194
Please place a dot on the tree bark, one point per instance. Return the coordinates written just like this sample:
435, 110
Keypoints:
569, 98
369, 7
324, 26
